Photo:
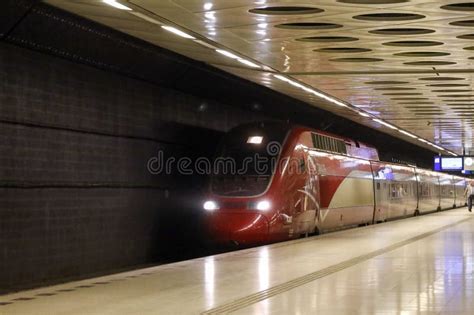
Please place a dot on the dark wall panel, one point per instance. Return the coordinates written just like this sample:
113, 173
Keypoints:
12, 13
55, 233
75, 193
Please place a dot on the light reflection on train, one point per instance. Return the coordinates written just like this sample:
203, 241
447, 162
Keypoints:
315, 182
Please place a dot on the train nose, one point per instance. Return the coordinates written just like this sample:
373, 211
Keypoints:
238, 228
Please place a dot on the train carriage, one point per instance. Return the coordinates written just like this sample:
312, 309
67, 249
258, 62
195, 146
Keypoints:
428, 191
395, 191
286, 181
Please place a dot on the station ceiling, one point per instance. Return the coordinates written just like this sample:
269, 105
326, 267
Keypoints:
403, 67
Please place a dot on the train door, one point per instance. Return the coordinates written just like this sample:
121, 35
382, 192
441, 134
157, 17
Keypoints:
380, 193
459, 187
447, 193
428, 191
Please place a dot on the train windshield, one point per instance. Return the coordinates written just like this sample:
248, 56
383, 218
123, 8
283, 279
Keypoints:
247, 158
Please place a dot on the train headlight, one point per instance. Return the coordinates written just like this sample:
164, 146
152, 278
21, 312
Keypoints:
263, 205
210, 205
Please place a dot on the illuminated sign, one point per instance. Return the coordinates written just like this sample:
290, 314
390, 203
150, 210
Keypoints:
451, 163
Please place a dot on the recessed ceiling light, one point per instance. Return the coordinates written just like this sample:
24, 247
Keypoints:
402, 31
372, 1
466, 6
286, 10
413, 43
395, 16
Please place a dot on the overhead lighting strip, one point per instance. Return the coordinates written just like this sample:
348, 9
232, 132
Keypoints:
146, 18
408, 134
310, 90
117, 5
244, 61
178, 32
385, 123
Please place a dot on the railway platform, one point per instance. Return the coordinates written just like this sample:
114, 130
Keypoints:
420, 265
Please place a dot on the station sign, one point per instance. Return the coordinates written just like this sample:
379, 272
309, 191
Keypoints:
465, 164
449, 163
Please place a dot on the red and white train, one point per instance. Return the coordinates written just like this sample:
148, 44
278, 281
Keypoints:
288, 181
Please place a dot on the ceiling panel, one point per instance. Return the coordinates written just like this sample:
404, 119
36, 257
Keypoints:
407, 62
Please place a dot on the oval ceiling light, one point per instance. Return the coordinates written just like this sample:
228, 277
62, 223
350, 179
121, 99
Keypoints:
388, 17
356, 59
417, 103
466, 23
386, 82
447, 85
466, 36
429, 63
372, 1
285, 10
308, 26
464, 6
409, 98
395, 89
441, 79
402, 31
402, 94
342, 50
327, 39
455, 95
421, 54
451, 91
459, 100
413, 43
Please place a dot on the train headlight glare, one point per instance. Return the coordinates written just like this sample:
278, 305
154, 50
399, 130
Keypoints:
255, 139
210, 205
263, 205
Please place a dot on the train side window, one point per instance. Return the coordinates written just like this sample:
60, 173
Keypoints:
378, 186
328, 143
